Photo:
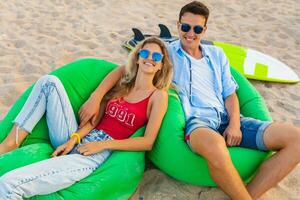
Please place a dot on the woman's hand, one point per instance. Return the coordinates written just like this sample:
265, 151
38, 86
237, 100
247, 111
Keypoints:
89, 111
91, 148
65, 148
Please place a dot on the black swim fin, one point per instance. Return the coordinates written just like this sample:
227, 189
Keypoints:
138, 35
164, 31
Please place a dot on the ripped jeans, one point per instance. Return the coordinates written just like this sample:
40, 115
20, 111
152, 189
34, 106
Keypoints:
54, 174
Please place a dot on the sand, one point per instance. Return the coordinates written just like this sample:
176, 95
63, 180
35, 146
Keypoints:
37, 37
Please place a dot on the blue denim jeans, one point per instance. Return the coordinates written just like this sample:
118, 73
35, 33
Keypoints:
51, 175
252, 130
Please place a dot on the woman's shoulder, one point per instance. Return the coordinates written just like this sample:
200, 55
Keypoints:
159, 95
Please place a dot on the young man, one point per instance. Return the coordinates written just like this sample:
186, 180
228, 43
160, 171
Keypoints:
207, 92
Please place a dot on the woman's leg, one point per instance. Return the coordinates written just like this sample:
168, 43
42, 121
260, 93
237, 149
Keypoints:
48, 95
49, 176
60, 116
10, 142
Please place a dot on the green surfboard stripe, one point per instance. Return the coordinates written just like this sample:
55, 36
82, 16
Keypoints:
261, 70
235, 54
270, 79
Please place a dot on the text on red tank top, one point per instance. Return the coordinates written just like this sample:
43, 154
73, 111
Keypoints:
116, 110
121, 118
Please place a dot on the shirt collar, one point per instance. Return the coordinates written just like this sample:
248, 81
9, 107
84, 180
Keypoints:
180, 51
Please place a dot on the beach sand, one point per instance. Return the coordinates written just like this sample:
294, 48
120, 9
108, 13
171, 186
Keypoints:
37, 37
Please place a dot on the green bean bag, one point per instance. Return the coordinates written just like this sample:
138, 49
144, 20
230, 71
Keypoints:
117, 178
172, 155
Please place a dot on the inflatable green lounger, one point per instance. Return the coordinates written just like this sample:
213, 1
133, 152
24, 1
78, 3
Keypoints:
119, 176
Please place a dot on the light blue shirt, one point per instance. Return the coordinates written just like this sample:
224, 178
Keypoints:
203, 77
186, 79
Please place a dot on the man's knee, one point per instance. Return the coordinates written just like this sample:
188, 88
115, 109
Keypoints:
219, 156
294, 141
211, 146
281, 135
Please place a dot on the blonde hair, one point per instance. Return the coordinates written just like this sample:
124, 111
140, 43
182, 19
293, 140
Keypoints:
162, 79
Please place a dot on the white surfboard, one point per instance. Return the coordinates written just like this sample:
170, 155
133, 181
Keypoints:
257, 65
260, 65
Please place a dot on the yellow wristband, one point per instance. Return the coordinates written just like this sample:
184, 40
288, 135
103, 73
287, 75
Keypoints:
77, 136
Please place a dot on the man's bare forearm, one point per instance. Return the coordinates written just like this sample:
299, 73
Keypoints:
108, 82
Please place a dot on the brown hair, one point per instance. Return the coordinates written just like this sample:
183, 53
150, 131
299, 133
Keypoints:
162, 79
196, 8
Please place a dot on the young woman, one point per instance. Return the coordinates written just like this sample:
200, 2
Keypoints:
139, 98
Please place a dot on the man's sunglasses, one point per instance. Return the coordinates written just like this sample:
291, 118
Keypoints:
186, 28
156, 57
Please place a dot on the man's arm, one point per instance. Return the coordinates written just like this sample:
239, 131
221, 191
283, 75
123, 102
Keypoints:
233, 133
108, 82
90, 109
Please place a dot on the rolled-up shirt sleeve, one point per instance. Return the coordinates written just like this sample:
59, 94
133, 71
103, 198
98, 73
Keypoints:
229, 85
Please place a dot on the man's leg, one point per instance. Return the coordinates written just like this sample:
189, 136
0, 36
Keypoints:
211, 145
286, 140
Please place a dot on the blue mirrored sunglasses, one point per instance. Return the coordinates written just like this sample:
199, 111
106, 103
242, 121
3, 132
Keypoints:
156, 57
186, 28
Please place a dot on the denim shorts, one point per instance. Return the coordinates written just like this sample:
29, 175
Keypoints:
252, 131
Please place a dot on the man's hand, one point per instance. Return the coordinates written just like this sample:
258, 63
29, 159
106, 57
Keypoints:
232, 135
91, 148
65, 148
89, 111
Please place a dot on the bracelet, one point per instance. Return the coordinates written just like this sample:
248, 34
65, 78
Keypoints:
77, 136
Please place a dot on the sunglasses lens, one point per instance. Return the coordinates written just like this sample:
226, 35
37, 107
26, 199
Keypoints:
198, 29
185, 27
156, 57
144, 53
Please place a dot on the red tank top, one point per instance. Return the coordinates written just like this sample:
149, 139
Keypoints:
121, 118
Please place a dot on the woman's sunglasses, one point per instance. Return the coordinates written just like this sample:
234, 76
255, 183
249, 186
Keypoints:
186, 28
156, 57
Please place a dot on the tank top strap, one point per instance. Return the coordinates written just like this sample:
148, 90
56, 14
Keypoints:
148, 97
152, 93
